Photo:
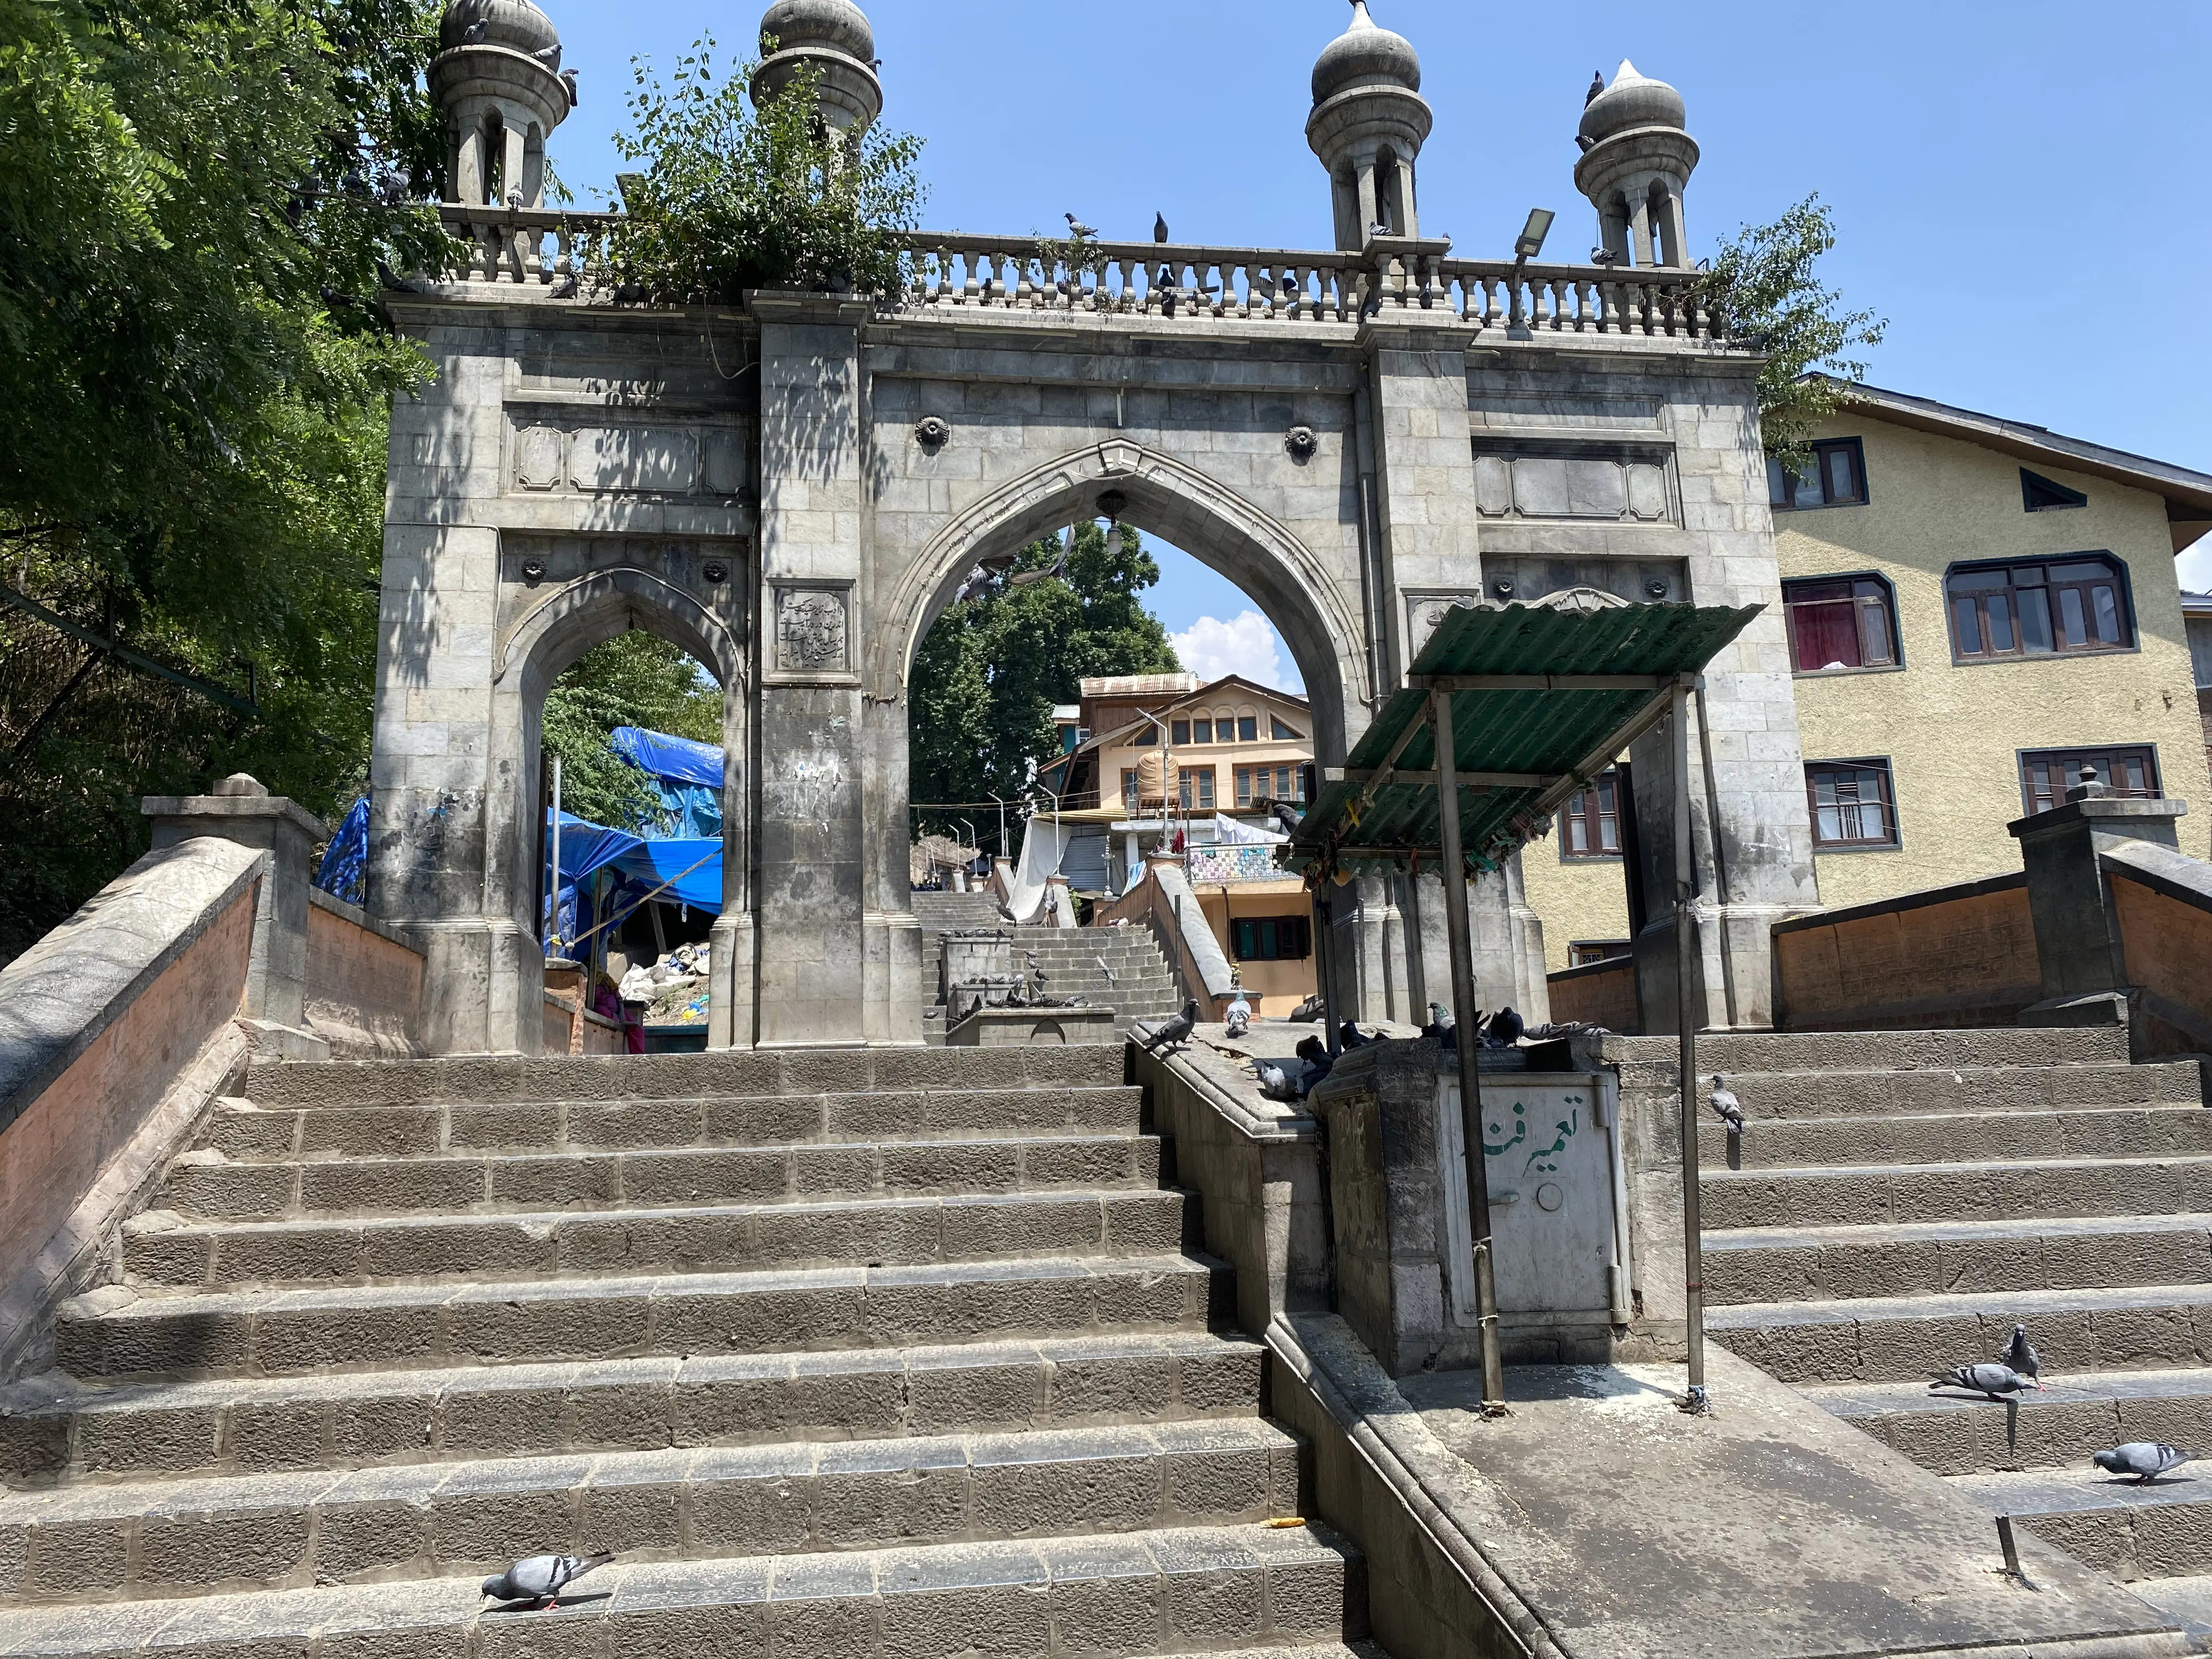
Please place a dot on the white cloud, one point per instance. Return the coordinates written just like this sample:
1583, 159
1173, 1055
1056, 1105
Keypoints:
1249, 646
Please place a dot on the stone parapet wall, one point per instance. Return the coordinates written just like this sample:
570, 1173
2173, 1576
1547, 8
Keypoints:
364, 990
1602, 993
1950, 957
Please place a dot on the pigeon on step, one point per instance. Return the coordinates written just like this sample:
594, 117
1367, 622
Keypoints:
1351, 1037
542, 1578
1318, 1064
1994, 1380
1505, 1029
2145, 1459
2021, 1355
1730, 1110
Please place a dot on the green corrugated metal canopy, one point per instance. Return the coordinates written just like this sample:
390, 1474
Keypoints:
1542, 700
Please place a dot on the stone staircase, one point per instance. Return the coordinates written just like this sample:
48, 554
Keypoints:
1117, 968
845, 1353
1900, 1201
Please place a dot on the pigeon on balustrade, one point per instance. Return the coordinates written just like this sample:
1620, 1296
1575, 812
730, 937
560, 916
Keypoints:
1505, 1029
2146, 1460
2021, 1356
1159, 227
1723, 1102
1081, 232
542, 1578
1995, 1381
1172, 1033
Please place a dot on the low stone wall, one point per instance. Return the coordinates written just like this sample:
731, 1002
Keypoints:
117, 1031
1949, 957
2162, 901
1602, 994
364, 983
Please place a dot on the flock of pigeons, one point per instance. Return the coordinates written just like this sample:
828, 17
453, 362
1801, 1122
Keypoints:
2021, 1369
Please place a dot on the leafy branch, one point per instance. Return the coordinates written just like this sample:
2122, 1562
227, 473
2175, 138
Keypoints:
1763, 285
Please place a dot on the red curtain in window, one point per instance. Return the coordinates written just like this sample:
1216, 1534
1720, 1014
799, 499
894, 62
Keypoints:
1827, 635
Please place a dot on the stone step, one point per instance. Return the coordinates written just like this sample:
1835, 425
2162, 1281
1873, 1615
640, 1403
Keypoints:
117, 1334
2077, 1415
247, 1129
485, 1080
137, 1541
1804, 1264
208, 1185
2186, 1600
53, 1430
1955, 1138
1906, 1339
1797, 1096
1251, 1589
1652, 1058
1876, 1194
162, 1251
2158, 1531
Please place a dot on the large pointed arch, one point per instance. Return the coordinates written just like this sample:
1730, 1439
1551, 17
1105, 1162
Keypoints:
1319, 623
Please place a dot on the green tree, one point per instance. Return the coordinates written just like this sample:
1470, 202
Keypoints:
1764, 284
735, 198
634, 679
194, 391
984, 682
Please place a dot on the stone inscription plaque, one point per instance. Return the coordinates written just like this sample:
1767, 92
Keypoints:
811, 630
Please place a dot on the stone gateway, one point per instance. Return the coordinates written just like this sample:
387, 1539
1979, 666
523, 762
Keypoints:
792, 490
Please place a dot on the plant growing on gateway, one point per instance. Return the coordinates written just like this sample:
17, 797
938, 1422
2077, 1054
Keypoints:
1763, 287
734, 198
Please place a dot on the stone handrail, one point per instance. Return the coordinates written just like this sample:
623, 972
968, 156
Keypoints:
1177, 281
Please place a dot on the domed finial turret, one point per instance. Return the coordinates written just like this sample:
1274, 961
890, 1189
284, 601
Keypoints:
835, 37
497, 77
1368, 125
1636, 162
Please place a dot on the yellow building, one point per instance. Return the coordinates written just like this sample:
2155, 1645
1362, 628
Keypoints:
1978, 609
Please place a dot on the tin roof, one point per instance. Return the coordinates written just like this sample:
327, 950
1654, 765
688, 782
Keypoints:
1541, 701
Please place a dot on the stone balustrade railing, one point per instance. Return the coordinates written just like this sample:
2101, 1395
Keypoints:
949, 273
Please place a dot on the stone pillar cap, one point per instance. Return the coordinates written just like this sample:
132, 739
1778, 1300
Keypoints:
2094, 810
241, 784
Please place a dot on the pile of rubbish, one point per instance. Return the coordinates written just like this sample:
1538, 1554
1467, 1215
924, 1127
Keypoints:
674, 991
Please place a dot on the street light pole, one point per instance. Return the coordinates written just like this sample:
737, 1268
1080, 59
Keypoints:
1685, 1025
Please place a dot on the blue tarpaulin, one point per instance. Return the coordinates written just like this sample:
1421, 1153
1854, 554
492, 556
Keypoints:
345, 870
687, 774
588, 848
654, 862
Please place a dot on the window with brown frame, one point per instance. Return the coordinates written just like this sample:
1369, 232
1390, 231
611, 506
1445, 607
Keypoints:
1129, 790
1835, 477
1194, 788
1283, 731
1853, 804
2049, 608
1589, 825
1179, 733
2045, 775
1585, 952
1244, 785
1841, 622
1248, 728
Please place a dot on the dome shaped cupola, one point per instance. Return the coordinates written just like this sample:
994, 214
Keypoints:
1636, 161
1365, 54
1368, 125
835, 37
515, 24
497, 77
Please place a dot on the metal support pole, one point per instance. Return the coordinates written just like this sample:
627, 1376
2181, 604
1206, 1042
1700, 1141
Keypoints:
1686, 1020
1470, 1042
553, 927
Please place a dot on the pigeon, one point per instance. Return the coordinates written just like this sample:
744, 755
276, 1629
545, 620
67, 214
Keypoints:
977, 584
1030, 577
1287, 815
411, 283
2146, 1460
1604, 256
1174, 1033
1239, 1022
1722, 1100
548, 55
565, 289
1993, 1380
1350, 1038
1109, 972
1378, 228
568, 79
1276, 1082
474, 33
1159, 227
2021, 1355
1319, 1062
542, 1578
1505, 1029
1440, 1021
1308, 1011
1082, 232
1597, 85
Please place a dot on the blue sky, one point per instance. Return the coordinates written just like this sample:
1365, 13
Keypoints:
2015, 186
